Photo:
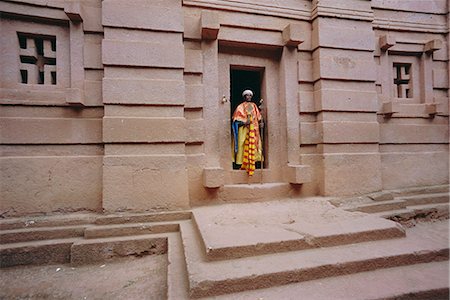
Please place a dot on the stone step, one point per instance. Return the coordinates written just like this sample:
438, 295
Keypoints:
239, 230
380, 206
36, 252
420, 190
142, 217
434, 211
392, 283
210, 278
100, 231
426, 199
104, 249
40, 233
48, 221
250, 192
177, 279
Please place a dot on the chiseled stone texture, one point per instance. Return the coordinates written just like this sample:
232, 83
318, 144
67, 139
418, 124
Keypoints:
345, 171
42, 184
150, 182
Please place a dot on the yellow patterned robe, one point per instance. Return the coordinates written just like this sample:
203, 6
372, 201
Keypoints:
249, 146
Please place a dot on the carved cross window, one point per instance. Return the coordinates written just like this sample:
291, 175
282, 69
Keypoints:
37, 59
403, 80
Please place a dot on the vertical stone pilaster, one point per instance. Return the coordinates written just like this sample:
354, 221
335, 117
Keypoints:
144, 128
345, 96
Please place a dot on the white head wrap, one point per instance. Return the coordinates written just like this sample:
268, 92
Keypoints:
247, 92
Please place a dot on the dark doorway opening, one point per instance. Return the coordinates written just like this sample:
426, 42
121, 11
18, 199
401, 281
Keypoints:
242, 79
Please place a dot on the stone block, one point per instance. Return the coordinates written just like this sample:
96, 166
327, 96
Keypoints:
43, 131
72, 8
389, 108
144, 149
96, 251
413, 133
145, 130
39, 253
349, 132
143, 54
386, 41
45, 184
309, 133
305, 71
343, 65
440, 78
213, 177
411, 169
250, 36
164, 15
192, 27
343, 34
210, 25
442, 106
351, 173
143, 91
195, 131
142, 73
432, 46
142, 183
144, 111
293, 35
193, 61
92, 14
194, 96
92, 52
298, 174
346, 100
306, 102
93, 93
75, 96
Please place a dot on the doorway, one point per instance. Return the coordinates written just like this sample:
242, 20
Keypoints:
242, 79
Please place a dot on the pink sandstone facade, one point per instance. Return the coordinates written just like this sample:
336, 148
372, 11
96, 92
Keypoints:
125, 105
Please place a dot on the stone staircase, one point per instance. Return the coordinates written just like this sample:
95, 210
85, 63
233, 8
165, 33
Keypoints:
406, 206
273, 250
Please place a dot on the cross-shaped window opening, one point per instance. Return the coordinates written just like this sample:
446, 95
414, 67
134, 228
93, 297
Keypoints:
38, 59
402, 80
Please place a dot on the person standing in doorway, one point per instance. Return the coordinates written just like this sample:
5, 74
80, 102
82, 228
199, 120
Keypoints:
247, 144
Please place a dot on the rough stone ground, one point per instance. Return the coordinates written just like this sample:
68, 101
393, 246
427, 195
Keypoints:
130, 278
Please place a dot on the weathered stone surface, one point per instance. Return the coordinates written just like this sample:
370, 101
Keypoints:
39, 130
143, 91
53, 183
142, 14
351, 173
343, 64
440, 78
414, 169
136, 53
298, 174
92, 51
349, 132
213, 177
193, 61
101, 250
251, 229
412, 133
297, 266
129, 129
141, 183
36, 253
344, 34
194, 96
210, 25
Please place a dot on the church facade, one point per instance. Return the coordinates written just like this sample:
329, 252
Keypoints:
126, 105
